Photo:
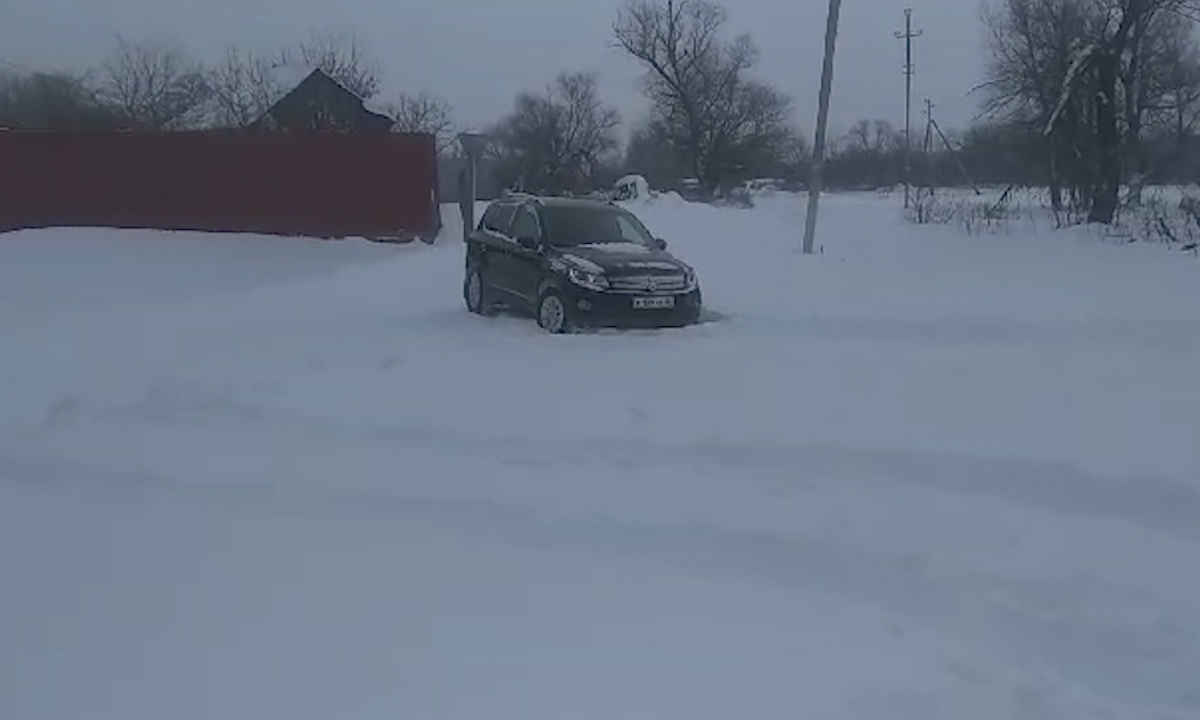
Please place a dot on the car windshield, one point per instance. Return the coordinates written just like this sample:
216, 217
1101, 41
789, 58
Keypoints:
575, 226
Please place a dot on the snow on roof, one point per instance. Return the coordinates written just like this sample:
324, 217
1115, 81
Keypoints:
376, 107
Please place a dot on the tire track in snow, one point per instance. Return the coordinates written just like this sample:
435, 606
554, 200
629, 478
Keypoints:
1149, 337
1146, 500
1021, 622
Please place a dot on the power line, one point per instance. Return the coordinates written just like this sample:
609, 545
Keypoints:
907, 36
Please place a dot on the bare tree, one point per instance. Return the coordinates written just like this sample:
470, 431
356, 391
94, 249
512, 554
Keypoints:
554, 142
750, 130
1170, 89
48, 101
652, 152
341, 56
1032, 47
1088, 72
243, 86
796, 157
876, 137
868, 156
425, 113
154, 86
696, 84
1117, 59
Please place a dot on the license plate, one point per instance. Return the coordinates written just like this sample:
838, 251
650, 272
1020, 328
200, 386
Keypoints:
653, 303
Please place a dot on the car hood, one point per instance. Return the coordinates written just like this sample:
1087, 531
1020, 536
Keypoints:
622, 258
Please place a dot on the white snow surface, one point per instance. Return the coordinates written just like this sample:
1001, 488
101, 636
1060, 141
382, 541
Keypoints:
920, 476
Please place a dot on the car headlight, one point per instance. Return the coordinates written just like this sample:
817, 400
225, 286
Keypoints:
690, 280
589, 280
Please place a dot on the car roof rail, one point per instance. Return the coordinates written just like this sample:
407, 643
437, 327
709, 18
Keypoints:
508, 195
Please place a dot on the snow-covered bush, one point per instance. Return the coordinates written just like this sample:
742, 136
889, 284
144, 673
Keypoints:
1166, 220
974, 214
632, 187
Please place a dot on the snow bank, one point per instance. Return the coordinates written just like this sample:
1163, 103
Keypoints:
918, 475
632, 187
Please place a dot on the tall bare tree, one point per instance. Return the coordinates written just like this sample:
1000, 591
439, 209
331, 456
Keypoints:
1032, 46
1169, 93
1085, 70
1117, 58
243, 86
425, 113
555, 141
876, 137
341, 56
48, 101
154, 86
697, 85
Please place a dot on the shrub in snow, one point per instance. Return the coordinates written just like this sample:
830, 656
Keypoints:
975, 215
1161, 219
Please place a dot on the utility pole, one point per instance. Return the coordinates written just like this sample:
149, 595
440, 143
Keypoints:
473, 145
818, 169
927, 148
954, 154
929, 106
909, 69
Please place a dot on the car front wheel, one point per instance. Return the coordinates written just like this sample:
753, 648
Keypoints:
552, 313
475, 292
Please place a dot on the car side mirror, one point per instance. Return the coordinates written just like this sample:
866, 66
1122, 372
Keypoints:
529, 243
660, 243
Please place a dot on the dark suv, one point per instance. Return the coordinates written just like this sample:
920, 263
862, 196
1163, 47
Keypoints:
576, 263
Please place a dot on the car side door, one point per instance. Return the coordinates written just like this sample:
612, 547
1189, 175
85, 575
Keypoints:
495, 246
527, 258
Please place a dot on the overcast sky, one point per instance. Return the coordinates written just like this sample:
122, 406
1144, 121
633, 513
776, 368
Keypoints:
479, 53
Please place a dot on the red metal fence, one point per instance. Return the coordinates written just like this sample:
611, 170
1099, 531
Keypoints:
317, 185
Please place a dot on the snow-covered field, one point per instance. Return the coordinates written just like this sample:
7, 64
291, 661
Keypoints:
919, 476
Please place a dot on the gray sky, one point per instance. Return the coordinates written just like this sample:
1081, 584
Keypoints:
479, 53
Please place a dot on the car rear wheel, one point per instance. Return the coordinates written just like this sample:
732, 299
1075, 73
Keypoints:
552, 313
476, 294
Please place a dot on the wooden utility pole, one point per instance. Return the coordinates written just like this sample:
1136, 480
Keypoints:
907, 36
818, 169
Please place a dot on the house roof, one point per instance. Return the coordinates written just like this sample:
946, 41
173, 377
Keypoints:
285, 78
289, 76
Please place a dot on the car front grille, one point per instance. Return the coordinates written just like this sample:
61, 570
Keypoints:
649, 283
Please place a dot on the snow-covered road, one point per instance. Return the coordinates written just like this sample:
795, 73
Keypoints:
919, 476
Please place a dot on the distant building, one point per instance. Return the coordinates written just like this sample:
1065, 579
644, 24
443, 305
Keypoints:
320, 103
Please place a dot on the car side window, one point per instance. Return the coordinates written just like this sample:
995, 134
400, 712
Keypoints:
526, 224
488, 219
498, 218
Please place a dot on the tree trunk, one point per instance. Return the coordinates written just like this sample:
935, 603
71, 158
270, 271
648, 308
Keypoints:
1182, 159
1055, 182
1107, 187
1135, 158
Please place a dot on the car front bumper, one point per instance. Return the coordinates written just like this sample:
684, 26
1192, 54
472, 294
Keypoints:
601, 309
